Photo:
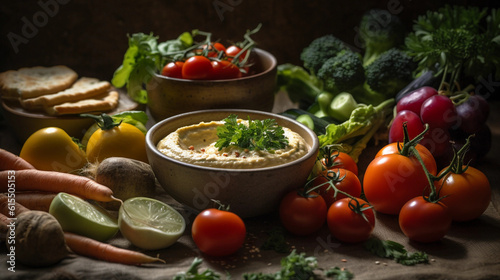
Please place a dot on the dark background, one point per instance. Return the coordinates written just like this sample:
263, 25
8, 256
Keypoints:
91, 36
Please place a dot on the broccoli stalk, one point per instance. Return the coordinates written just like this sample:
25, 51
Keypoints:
380, 31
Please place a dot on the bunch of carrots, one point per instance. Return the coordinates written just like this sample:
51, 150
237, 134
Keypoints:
35, 189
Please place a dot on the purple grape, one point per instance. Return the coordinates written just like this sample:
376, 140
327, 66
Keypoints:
472, 114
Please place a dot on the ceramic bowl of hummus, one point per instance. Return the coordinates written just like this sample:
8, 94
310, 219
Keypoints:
182, 155
170, 96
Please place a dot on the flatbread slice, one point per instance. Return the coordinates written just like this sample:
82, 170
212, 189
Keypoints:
35, 81
84, 88
102, 103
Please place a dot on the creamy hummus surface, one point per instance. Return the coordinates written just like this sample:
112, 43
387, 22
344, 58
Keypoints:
195, 144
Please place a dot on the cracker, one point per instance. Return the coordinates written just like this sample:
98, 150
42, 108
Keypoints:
102, 103
84, 88
35, 81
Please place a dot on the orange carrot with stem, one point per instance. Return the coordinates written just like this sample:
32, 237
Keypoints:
35, 200
102, 251
10, 161
52, 181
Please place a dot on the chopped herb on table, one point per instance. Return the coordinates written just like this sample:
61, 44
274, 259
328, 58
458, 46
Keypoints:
393, 250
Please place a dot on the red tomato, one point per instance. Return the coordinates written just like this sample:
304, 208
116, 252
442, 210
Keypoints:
424, 221
348, 226
223, 69
233, 50
425, 154
467, 195
302, 215
197, 68
392, 179
213, 49
340, 160
173, 69
343, 179
218, 233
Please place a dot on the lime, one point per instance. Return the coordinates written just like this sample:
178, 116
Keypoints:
80, 217
149, 223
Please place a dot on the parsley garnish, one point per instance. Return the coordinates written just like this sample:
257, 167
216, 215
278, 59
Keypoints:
393, 250
258, 135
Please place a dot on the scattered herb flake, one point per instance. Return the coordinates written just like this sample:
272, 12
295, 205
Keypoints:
276, 241
393, 250
338, 273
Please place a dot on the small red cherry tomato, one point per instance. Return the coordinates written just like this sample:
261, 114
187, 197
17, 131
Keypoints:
349, 225
223, 69
340, 160
342, 179
173, 69
424, 221
302, 214
467, 194
218, 232
197, 68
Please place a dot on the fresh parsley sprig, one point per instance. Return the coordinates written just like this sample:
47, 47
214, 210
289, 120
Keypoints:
258, 135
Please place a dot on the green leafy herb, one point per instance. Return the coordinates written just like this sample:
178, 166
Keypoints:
143, 58
455, 39
393, 250
193, 274
276, 241
339, 273
258, 135
294, 266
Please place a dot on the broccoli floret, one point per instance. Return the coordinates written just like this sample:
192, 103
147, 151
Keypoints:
319, 50
380, 31
390, 72
342, 72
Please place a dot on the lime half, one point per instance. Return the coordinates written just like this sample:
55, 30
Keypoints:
80, 217
149, 223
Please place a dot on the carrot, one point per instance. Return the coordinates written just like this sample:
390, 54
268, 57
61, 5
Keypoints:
35, 200
4, 222
10, 207
52, 181
10, 161
102, 251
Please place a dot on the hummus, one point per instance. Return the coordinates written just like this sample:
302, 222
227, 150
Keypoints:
195, 144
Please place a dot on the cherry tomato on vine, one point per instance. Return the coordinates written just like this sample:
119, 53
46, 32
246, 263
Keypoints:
218, 232
173, 69
466, 194
224, 69
347, 224
197, 68
424, 221
213, 49
391, 179
302, 214
340, 160
233, 50
342, 179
